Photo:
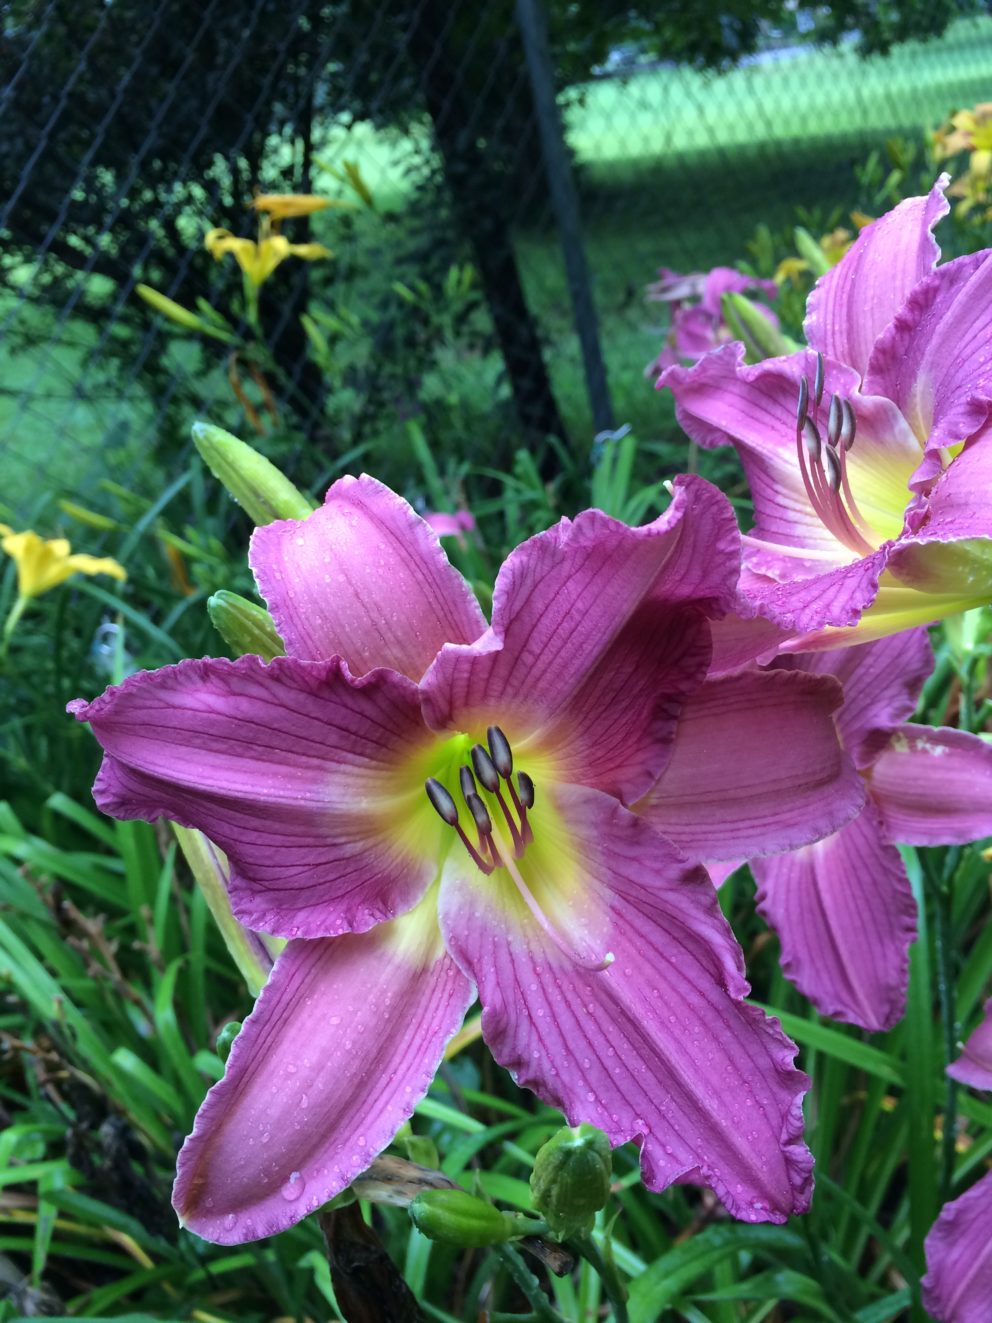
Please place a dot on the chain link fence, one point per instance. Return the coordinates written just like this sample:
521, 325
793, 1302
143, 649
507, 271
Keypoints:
481, 277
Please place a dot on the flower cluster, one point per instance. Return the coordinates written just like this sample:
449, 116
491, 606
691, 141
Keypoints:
432, 808
698, 323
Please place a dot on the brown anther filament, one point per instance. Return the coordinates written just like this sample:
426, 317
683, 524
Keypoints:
823, 468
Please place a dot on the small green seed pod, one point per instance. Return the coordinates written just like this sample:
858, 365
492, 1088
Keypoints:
570, 1182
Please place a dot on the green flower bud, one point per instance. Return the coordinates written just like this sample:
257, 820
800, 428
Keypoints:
245, 627
746, 322
181, 316
570, 1182
456, 1217
253, 481
226, 1037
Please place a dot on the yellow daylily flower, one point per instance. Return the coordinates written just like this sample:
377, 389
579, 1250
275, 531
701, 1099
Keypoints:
259, 259
287, 206
45, 563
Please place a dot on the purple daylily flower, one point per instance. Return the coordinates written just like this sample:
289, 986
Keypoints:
974, 1065
697, 323
843, 907
310, 773
958, 1284
869, 454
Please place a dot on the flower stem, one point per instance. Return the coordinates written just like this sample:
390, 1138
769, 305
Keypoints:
616, 1292
528, 1284
10, 624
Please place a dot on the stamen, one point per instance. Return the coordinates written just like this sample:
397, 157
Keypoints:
835, 420
802, 408
500, 752
441, 801
849, 426
447, 811
485, 768
530, 900
526, 790
480, 813
812, 440
467, 782
831, 467
818, 380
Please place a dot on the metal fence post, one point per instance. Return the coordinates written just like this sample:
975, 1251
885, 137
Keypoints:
564, 199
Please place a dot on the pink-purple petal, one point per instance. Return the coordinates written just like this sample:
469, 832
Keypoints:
958, 1284
593, 634
855, 301
882, 682
933, 358
974, 1065
658, 1047
756, 768
933, 786
836, 598
287, 767
845, 915
342, 1044
364, 578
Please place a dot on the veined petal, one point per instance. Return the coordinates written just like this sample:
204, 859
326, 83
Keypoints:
855, 301
835, 598
844, 912
974, 1066
757, 768
341, 1046
288, 767
958, 1284
957, 507
933, 359
658, 1047
364, 578
933, 786
882, 682
723, 401
595, 639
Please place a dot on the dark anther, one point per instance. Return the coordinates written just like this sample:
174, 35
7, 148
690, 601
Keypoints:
467, 782
480, 813
441, 801
526, 790
835, 420
500, 752
818, 381
811, 437
831, 465
849, 426
802, 408
485, 768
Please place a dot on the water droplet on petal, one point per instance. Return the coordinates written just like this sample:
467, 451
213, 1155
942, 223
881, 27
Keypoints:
294, 1187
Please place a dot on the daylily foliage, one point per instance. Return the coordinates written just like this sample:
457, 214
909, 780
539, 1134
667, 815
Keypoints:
572, 776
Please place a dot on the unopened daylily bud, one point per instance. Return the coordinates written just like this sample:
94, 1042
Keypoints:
456, 1217
226, 1037
811, 252
570, 1182
180, 315
245, 627
254, 481
747, 322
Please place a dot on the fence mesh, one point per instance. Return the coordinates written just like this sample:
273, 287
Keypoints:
127, 131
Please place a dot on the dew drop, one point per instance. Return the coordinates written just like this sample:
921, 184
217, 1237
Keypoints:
294, 1187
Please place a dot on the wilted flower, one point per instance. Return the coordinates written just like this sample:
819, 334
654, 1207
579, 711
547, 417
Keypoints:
697, 320
609, 981
868, 454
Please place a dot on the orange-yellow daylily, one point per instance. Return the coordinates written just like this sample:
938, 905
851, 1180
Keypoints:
258, 259
43, 564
